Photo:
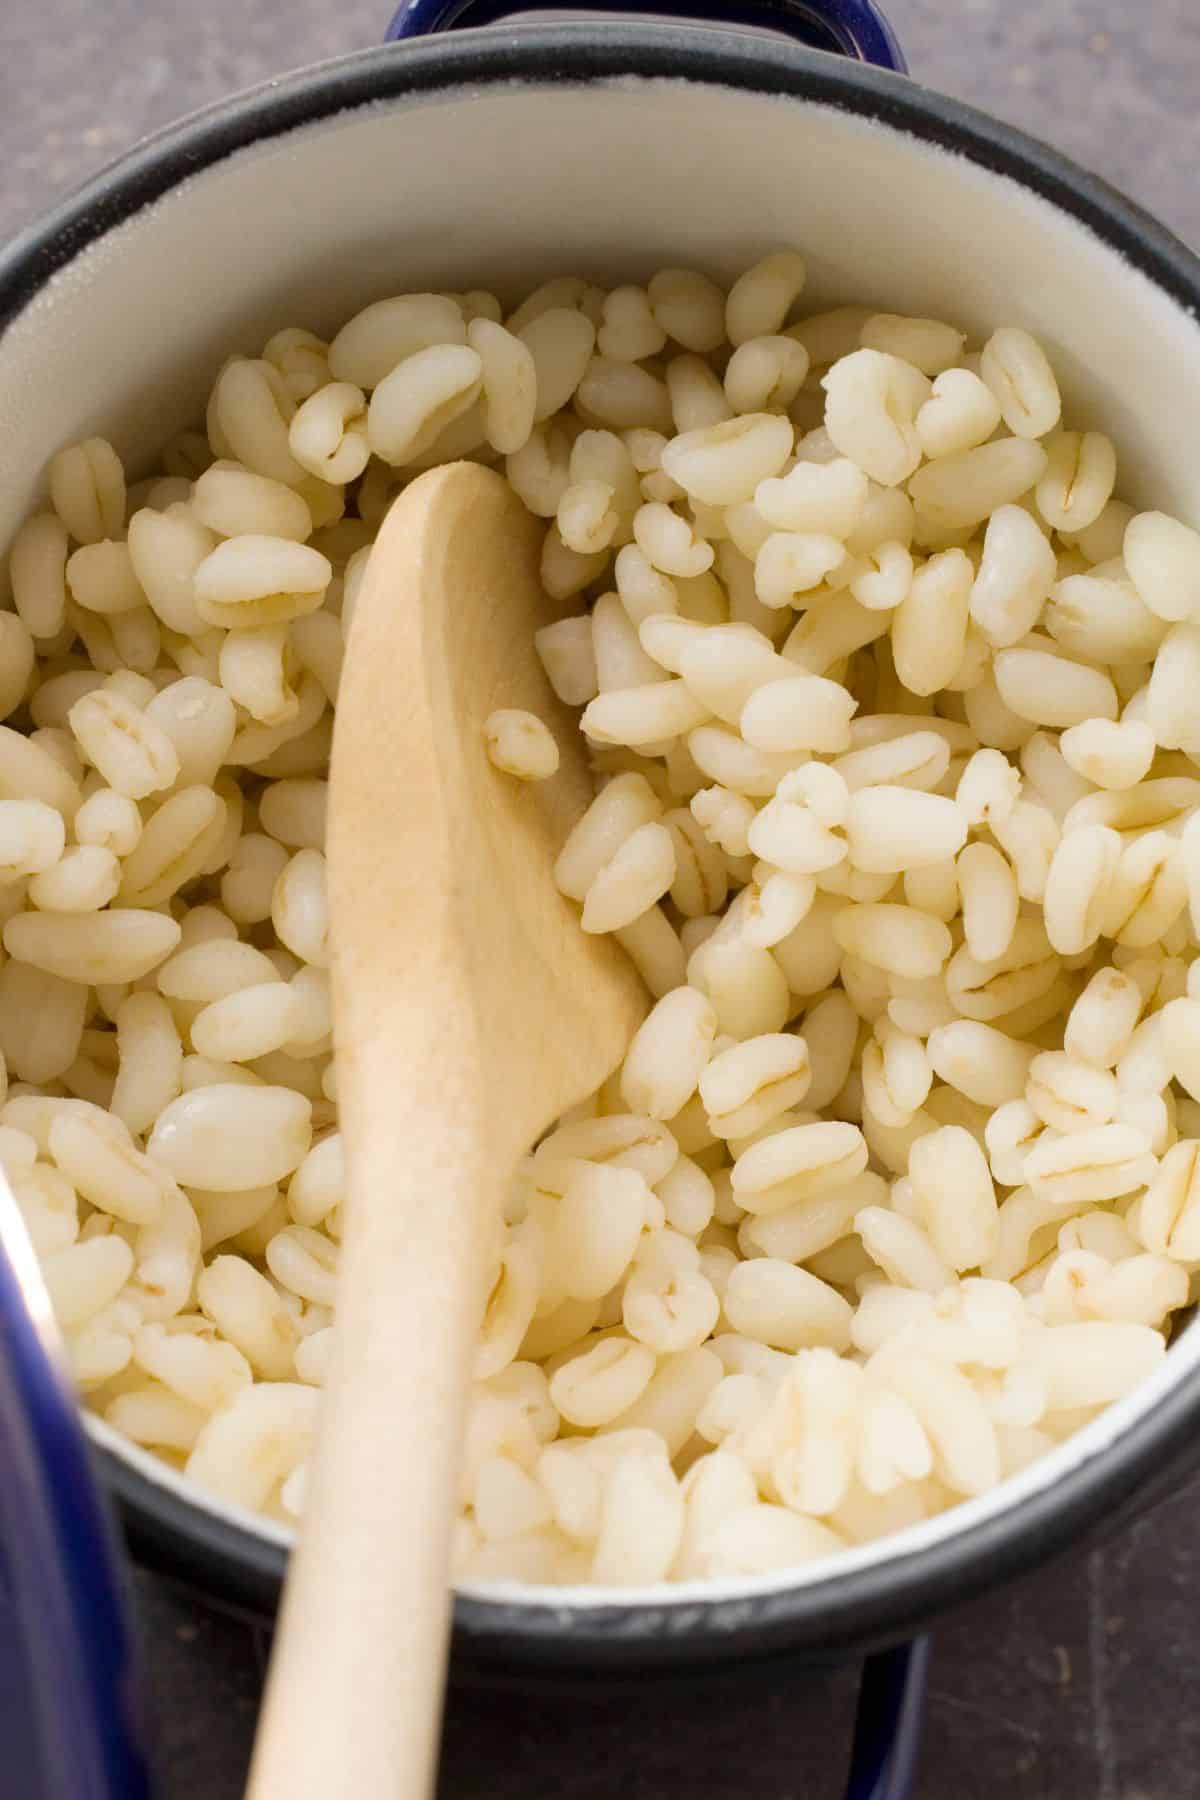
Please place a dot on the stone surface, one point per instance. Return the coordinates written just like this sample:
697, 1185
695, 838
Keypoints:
1077, 1684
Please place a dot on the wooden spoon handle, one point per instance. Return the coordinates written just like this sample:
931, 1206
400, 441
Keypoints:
353, 1702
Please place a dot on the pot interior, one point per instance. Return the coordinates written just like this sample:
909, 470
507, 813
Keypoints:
500, 183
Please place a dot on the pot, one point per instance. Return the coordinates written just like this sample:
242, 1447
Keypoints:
499, 156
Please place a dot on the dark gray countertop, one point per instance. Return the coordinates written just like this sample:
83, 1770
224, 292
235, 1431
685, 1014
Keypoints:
1077, 1684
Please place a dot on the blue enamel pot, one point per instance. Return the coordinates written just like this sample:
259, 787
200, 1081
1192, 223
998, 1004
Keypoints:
479, 149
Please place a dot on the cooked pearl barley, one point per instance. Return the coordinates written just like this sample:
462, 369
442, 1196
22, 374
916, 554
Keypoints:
415, 403
85, 1277
135, 756
801, 712
668, 542
979, 1061
891, 829
566, 653
953, 1190
928, 344
256, 579
597, 1387
830, 335
304, 1263
383, 335
871, 794
765, 374
760, 300
586, 519
100, 578
248, 419
623, 396
629, 331
201, 973
1050, 690
791, 563
167, 548
200, 720
887, 580
1015, 576
1110, 754
301, 358
689, 307
1163, 559
725, 818
1102, 620
896, 1075
624, 804
32, 836
871, 405
559, 344
639, 874
248, 1310
668, 1054
960, 413
520, 744
989, 899
174, 847
246, 1025
775, 1303
1100, 1163
902, 1249
41, 1022
87, 488
97, 1155
931, 622
828, 497
231, 1137
16, 665
261, 1437
701, 883
894, 938
665, 636
643, 715
723, 464
539, 471
232, 501
961, 490
1080, 472
1016, 368
1169, 1217
1170, 701
84, 879
300, 908
328, 434
797, 1163
150, 1058
745, 1087
105, 948
38, 569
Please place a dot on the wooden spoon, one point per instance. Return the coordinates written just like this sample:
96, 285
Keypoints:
471, 1011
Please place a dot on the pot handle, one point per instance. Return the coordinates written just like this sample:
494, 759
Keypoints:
887, 1729
853, 28
71, 1721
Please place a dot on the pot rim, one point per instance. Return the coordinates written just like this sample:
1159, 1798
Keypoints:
1092, 1474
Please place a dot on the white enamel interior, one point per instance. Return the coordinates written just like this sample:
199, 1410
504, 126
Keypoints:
503, 187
